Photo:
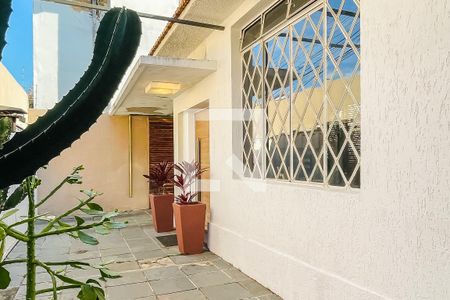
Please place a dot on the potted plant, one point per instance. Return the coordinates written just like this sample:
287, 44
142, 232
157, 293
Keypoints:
161, 198
189, 212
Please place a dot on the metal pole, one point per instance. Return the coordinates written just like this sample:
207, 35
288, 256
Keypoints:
130, 156
143, 15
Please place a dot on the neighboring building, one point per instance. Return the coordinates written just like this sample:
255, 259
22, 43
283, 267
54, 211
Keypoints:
115, 151
63, 42
12, 94
325, 125
14, 103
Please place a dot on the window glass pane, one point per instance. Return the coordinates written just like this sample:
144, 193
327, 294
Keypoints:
277, 106
275, 16
301, 96
343, 93
307, 101
252, 33
253, 123
296, 5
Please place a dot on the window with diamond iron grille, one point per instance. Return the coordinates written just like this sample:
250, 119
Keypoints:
301, 93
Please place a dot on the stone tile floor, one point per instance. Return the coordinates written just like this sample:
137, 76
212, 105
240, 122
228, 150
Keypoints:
149, 270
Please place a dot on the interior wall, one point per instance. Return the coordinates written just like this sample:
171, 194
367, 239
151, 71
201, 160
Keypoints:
386, 240
103, 151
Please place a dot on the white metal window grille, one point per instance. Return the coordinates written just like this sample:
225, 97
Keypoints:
301, 93
253, 125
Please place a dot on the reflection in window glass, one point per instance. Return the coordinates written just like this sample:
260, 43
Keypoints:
307, 101
343, 93
277, 107
310, 127
275, 16
251, 34
253, 133
296, 5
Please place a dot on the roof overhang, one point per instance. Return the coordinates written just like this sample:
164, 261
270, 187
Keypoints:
132, 97
178, 40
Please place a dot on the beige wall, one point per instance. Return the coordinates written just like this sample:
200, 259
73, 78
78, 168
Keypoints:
11, 93
103, 151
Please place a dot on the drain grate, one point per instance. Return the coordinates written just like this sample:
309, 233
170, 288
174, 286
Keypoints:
168, 240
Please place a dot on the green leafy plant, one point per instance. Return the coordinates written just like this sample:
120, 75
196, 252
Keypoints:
116, 43
160, 176
102, 223
188, 173
6, 125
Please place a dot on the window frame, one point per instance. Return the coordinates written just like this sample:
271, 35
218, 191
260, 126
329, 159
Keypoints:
290, 20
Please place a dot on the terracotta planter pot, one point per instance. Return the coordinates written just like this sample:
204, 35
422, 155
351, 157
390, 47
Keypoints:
190, 226
162, 212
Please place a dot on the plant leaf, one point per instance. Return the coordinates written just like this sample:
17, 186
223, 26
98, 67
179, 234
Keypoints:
73, 234
87, 293
90, 193
110, 215
68, 279
15, 198
94, 206
2, 248
115, 225
2, 242
107, 273
91, 212
93, 281
86, 238
79, 220
2, 233
102, 230
8, 214
77, 266
74, 179
5, 279
100, 293
62, 224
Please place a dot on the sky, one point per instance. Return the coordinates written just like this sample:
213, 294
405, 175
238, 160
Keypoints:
18, 53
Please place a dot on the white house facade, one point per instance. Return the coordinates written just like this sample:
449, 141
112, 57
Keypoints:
328, 139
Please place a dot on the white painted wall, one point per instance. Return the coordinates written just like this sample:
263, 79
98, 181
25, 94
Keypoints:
64, 38
390, 239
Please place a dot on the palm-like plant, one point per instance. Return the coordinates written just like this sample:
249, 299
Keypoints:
160, 176
189, 172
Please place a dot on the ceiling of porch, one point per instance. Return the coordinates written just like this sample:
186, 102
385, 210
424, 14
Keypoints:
183, 73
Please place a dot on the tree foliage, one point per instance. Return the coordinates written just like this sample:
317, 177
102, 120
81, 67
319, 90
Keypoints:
71, 223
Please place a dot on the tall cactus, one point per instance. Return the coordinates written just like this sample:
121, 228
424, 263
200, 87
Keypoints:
115, 47
5, 12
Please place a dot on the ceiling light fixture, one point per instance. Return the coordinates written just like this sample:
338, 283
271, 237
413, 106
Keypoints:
162, 88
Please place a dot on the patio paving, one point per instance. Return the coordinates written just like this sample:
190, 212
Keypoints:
149, 270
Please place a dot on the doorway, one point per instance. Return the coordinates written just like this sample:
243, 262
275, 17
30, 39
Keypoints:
202, 155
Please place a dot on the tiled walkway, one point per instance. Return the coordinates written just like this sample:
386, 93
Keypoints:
149, 270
